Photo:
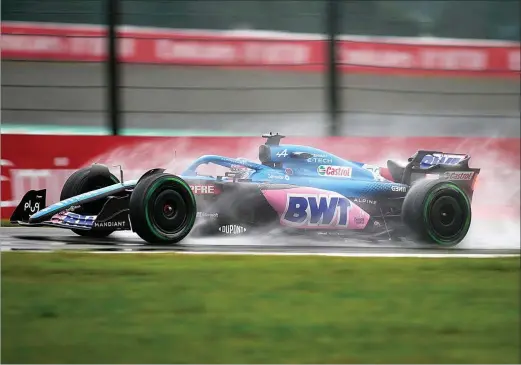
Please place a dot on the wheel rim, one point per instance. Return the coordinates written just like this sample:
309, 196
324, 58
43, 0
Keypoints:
448, 215
170, 208
169, 211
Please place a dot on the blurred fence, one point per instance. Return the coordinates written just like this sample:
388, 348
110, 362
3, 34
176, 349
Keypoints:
247, 82
484, 19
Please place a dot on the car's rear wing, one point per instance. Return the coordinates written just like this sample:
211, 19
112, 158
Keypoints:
427, 159
436, 165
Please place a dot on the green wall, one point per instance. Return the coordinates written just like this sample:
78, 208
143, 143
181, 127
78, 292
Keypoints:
486, 19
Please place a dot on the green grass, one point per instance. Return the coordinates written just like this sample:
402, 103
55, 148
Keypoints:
86, 308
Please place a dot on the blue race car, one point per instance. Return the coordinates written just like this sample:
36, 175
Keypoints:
295, 189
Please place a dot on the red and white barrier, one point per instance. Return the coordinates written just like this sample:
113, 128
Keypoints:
47, 41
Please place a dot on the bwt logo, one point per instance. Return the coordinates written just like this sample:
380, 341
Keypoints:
317, 211
441, 159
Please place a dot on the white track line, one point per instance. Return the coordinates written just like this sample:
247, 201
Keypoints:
387, 255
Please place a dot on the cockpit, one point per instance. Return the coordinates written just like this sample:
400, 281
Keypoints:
265, 150
275, 155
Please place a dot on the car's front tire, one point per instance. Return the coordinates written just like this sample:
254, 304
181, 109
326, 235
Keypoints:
82, 181
162, 209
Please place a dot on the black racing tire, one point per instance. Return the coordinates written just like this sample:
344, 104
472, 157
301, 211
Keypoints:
437, 212
85, 180
163, 209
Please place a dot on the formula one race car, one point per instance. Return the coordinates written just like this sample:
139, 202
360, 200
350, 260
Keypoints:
293, 188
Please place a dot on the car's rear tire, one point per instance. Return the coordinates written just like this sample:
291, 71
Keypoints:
437, 212
85, 180
162, 209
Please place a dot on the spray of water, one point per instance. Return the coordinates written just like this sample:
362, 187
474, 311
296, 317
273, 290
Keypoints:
496, 222
496, 203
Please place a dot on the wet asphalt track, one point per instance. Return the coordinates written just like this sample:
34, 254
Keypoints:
52, 239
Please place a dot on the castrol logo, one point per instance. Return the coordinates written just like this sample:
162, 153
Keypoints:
459, 175
334, 171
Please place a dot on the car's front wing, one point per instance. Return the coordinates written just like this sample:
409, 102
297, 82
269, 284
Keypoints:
113, 216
